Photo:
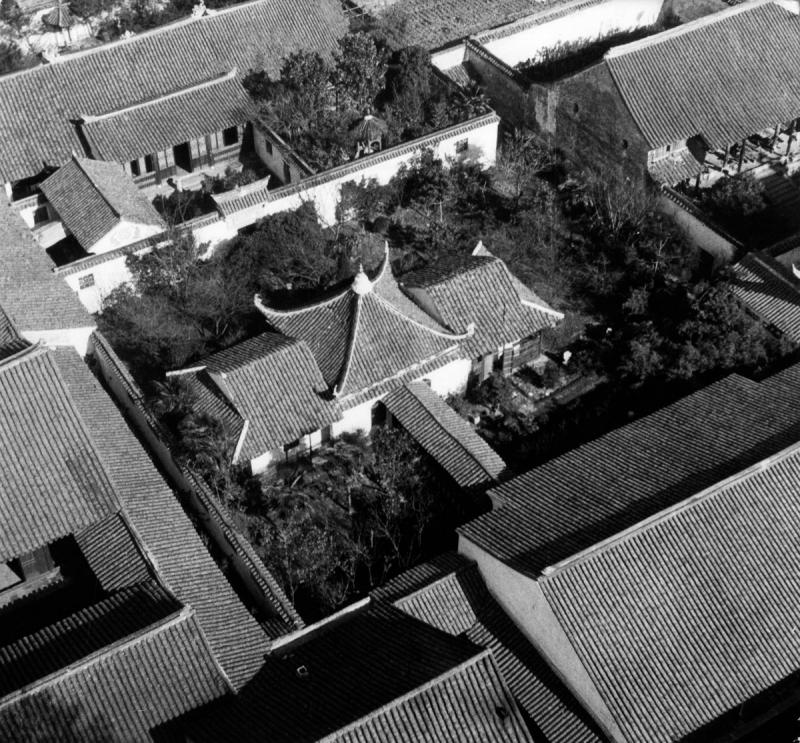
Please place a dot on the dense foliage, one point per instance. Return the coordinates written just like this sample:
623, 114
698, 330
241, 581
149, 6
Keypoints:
315, 103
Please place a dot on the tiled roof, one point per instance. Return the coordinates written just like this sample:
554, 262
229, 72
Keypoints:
615, 481
433, 23
675, 167
480, 289
29, 292
159, 124
11, 341
448, 593
40, 105
770, 291
274, 384
88, 631
52, 480
723, 77
692, 613
471, 704
373, 666
171, 543
366, 333
445, 435
119, 694
112, 554
92, 197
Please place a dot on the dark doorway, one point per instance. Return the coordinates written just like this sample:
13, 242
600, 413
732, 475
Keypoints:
183, 156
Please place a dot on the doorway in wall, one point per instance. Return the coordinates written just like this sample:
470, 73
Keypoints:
183, 156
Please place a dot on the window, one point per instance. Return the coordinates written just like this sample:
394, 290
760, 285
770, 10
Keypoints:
85, 282
624, 144
287, 173
462, 146
149, 164
41, 215
230, 136
669, 147
268, 146
135, 167
575, 108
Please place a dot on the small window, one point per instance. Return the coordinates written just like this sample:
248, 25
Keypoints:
624, 144
41, 215
462, 146
85, 282
230, 136
287, 173
135, 168
575, 108
669, 147
268, 146
149, 164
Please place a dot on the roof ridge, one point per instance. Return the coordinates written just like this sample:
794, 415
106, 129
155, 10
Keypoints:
718, 488
230, 75
463, 568
479, 657
671, 33
447, 431
20, 357
267, 311
774, 267
183, 614
351, 344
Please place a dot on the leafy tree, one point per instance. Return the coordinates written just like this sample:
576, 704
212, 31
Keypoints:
11, 57
360, 72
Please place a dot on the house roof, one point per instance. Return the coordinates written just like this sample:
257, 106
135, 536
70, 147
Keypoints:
30, 295
173, 546
42, 104
92, 197
770, 291
480, 290
445, 435
274, 384
448, 593
377, 674
79, 635
692, 613
622, 477
723, 77
366, 333
52, 480
152, 126
433, 23
120, 693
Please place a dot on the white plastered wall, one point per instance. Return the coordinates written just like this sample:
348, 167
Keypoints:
78, 338
585, 23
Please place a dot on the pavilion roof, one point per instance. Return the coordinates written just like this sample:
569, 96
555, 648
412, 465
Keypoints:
366, 333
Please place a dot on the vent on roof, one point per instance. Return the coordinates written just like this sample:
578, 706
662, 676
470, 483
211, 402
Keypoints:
302, 672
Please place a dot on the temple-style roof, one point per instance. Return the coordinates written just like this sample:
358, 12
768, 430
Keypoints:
690, 615
92, 197
41, 105
607, 485
481, 290
59, 17
445, 436
267, 389
367, 333
30, 295
144, 128
723, 77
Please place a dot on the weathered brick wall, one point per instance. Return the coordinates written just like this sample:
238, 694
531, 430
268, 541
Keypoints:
506, 95
594, 127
